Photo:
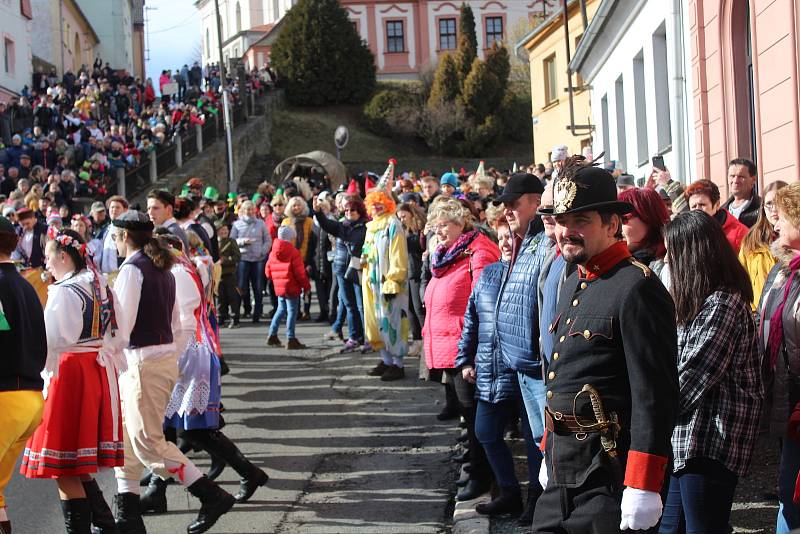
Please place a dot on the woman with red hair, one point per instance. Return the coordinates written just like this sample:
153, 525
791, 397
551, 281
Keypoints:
704, 195
643, 228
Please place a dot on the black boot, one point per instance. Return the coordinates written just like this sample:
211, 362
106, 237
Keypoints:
102, 518
218, 445
223, 367
473, 490
462, 458
154, 498
463, 479
145, 480
526, 518
451, 409
507, 502
77, 516
129, 519
5, 527
218, 465
214, 503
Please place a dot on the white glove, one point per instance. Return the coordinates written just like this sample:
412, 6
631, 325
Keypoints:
641, 509
543, 474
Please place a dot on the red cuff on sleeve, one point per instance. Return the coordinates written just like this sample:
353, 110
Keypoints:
544, 441
645, 471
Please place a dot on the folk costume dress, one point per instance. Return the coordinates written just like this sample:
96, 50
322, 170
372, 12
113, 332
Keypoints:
195, 399
81, 429
385, 260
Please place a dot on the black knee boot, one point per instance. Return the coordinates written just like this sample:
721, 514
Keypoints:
154, 498
5, 527
129, 518
77, 516
102, 518
214, 503
217, 444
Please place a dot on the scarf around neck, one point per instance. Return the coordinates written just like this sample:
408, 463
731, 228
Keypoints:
443, 257
775, 339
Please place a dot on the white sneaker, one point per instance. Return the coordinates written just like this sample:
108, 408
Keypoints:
415, 348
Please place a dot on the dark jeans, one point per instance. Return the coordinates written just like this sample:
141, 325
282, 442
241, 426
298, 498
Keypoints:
228, 297
249, 274
466, 399
699, 499
416, 310
273, 298
323, 286
350, 293
490, 426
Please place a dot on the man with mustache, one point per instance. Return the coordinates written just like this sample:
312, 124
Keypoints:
611, 381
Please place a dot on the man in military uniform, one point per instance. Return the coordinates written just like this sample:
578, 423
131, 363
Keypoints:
611, 383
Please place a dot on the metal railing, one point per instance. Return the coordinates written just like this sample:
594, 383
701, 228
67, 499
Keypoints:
184, 146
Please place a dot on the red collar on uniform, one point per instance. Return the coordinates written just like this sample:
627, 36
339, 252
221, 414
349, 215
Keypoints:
600, 264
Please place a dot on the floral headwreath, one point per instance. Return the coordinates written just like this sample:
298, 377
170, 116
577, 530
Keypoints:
66, 240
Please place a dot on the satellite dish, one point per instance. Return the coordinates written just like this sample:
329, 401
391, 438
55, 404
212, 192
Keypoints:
341, 137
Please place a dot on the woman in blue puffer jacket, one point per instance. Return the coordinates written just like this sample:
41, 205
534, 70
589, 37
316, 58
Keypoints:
496, 388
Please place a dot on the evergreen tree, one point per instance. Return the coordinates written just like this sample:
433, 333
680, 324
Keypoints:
320, 57
466, 25
482, 92
445, 83
467, 42
497, 61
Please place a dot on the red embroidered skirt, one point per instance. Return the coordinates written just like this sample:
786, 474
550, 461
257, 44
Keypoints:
76, 436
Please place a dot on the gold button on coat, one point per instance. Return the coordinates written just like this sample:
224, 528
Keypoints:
587, 334
555, 356
561, 339
584, 285
569, 320
549, 394
574, 303
551, 375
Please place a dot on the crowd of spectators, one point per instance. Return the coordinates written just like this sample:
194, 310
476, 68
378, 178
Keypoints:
64, 137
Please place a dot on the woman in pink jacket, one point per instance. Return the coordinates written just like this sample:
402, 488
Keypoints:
456, 264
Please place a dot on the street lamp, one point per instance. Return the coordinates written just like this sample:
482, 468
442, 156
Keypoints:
340, 137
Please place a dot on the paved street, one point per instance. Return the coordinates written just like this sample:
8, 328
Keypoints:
345, 452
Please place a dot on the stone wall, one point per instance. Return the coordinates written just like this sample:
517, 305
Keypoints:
249, 139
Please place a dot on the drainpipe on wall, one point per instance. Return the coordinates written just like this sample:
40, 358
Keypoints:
575, 129
61, 32
680, 94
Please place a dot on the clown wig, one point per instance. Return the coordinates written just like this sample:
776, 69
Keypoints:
379, 197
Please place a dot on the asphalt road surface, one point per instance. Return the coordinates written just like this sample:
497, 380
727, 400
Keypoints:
346, 453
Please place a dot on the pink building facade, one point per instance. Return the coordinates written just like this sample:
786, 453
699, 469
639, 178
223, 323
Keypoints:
744, 62
406, 36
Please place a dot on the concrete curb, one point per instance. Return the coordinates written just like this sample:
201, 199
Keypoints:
467, 521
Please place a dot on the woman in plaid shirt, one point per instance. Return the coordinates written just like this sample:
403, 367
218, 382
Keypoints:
718, 372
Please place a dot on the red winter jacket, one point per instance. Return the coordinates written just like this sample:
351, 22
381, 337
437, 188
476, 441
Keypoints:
734, 230
286, 270
446, 301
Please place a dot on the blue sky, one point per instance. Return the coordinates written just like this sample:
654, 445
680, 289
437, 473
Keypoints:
174, 35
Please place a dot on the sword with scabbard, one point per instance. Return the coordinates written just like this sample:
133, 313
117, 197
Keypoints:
607, 426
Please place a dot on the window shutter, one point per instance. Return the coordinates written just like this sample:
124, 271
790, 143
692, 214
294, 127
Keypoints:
25, 9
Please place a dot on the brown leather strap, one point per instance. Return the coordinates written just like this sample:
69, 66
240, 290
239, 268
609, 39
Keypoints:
561, 423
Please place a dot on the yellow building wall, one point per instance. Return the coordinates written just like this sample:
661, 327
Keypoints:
551, 121
78, 51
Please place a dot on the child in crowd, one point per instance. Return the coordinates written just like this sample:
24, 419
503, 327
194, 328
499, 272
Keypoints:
287, 271
228, 293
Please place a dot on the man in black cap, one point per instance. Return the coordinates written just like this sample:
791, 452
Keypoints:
516, 325
612, 387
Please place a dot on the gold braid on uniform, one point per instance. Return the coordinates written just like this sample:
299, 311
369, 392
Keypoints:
645, 269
